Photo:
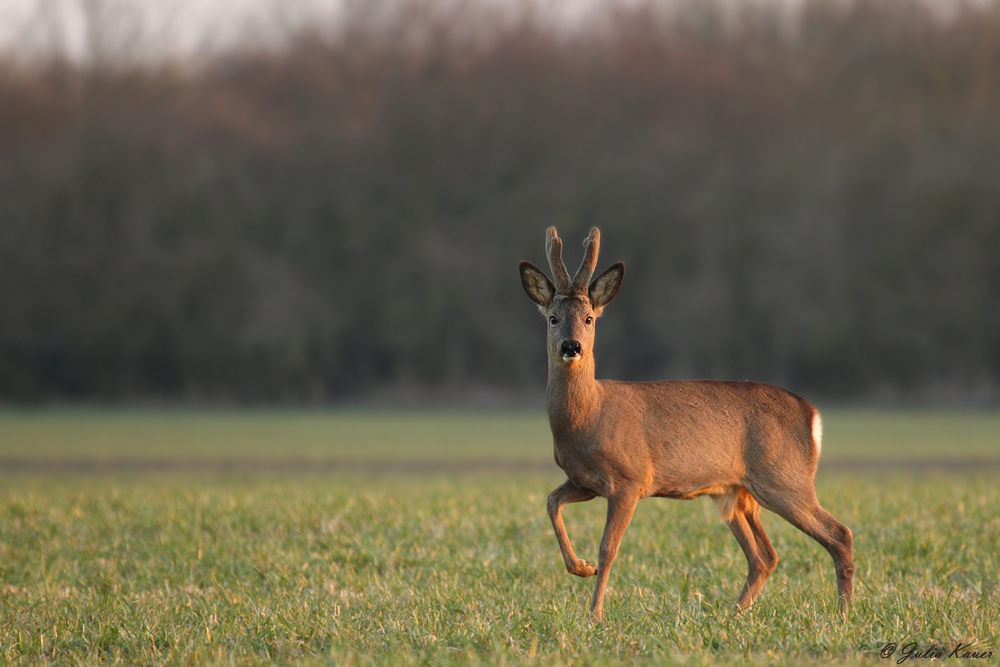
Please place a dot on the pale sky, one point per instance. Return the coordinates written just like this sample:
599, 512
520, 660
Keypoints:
180, 28
156, 29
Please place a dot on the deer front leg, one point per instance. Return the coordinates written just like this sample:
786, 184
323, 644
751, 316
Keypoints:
621, 507
567, 493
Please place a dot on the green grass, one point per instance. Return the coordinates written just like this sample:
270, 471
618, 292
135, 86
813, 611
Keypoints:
348, 435
196, 568
911, 434
373, 435
466, 571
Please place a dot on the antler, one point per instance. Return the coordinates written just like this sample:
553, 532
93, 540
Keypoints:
553, 248
591, 247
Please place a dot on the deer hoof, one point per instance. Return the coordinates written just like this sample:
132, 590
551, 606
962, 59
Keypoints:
584, 569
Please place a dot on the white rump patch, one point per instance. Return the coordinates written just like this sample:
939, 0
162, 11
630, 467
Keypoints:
817, 432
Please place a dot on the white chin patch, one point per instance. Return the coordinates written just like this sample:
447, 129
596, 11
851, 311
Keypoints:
569, 360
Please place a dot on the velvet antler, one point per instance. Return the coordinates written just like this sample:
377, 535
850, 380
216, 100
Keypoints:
553, 248
591, 247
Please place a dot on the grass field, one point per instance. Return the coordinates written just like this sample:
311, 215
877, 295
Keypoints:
190, 567
372, 435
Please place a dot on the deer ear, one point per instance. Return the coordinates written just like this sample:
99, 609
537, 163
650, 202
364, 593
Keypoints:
536, 284
605, 287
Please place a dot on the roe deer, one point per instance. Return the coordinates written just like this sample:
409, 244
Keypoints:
746, 444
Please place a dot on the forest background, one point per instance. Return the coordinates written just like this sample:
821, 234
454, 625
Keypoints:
806, 194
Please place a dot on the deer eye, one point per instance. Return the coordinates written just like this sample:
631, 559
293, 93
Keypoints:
589, 320
553, 320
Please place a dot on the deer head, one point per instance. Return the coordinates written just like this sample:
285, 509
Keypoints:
571, 307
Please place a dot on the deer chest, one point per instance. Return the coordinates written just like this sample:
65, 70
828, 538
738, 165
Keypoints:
586, 468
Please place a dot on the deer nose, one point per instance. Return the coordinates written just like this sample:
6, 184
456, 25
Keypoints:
571, 348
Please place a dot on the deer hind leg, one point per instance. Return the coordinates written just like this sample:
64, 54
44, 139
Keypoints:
803, 511
567, 493
621, 507
744, 522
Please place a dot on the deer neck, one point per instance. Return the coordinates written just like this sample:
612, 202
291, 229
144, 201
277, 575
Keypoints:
573, 396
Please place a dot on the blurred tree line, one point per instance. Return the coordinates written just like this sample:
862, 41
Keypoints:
810, 198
